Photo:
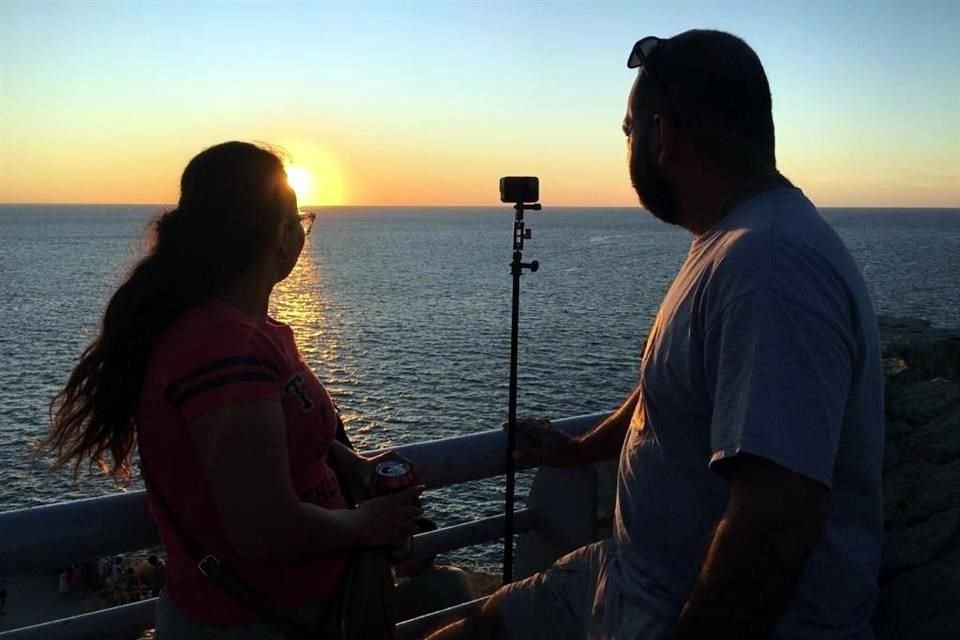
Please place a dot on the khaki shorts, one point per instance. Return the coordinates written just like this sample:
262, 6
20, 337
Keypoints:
573, 599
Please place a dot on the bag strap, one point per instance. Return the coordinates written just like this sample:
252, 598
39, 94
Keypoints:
222, 576
343, 439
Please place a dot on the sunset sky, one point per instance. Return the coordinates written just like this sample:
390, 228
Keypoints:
430, 103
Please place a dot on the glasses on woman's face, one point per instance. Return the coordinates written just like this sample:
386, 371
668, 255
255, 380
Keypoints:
307, 219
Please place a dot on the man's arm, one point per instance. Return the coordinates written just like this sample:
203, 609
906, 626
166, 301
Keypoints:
542, 445
606, 439
773, 520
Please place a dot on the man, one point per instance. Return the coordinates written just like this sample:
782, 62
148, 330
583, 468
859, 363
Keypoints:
748, 498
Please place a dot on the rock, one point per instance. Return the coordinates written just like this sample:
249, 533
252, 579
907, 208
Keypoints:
922, 603
921, 490
919, 402
919, 544
894, 365
892, 458
482, 584
920, 571
938, 441
899, 428
895, 329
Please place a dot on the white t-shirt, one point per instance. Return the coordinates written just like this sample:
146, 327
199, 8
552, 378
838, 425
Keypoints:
767, 344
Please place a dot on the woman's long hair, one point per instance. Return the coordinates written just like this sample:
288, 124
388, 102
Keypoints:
232, 197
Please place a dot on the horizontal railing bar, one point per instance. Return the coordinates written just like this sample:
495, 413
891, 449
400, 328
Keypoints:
140, 615
418, 627
133, 618
115, 622
68, 532
450, 461
426, 545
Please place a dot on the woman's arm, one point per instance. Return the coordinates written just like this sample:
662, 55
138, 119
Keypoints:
359, 470
242, 448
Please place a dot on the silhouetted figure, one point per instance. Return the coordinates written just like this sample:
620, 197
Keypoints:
748, 496
117, 571
423, 586
158, 573
234, 429
63, 581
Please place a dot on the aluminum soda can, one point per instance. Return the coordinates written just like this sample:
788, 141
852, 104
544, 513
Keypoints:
393, 476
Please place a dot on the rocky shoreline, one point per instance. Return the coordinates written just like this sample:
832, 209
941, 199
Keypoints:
920, 573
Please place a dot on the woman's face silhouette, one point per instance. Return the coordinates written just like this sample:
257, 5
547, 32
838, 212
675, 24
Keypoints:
290, 236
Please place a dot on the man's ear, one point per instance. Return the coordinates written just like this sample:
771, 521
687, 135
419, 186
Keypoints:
663, 139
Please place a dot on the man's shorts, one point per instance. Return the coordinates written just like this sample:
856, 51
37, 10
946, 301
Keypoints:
573, 599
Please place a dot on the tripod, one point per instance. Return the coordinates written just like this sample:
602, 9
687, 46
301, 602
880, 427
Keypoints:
520, 233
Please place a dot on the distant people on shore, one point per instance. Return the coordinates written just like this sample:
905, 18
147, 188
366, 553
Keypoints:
424, 586
63, 582
157, 575
105, 570
238, 438
122, 579
117, 571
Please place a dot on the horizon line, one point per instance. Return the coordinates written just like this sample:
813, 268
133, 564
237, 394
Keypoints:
439, 206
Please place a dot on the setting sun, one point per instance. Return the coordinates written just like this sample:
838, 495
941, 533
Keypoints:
315, 171
299, 180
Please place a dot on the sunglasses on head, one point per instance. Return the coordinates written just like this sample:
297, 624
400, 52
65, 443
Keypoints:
642, 51
640, 57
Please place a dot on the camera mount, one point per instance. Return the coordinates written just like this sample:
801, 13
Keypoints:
530, 191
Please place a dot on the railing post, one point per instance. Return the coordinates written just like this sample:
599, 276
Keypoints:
564, 504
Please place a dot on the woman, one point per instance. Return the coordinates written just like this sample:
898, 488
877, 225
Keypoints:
233, 427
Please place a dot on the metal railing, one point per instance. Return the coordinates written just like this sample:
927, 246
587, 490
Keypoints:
70, 532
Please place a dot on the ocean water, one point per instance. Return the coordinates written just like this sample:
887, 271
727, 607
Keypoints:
404, 315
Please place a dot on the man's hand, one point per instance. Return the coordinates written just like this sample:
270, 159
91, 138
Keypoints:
540, 444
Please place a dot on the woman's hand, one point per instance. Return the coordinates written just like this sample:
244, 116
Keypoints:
360, 471
388, 519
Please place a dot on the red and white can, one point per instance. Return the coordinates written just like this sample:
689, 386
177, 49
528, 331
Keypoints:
393, 476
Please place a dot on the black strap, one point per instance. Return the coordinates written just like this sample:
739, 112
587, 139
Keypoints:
222, 576
343, 439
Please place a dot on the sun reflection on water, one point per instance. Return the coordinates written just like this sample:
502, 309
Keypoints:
302, 301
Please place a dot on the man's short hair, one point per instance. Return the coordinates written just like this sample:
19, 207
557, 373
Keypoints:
720, 94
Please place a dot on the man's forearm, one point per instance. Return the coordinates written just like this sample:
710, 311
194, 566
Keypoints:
746, 582
606, 439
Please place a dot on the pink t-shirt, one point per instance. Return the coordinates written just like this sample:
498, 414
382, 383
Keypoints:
212, 356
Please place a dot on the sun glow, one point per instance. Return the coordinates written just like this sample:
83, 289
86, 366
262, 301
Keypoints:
299, 179
316, 166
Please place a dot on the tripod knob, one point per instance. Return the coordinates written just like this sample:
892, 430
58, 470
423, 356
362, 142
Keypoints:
533, 266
